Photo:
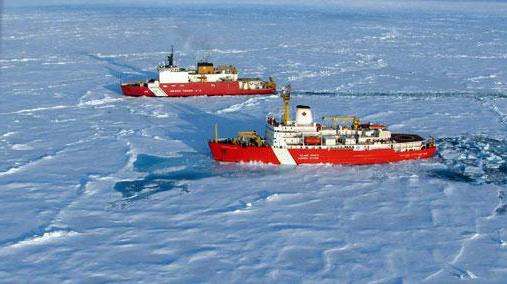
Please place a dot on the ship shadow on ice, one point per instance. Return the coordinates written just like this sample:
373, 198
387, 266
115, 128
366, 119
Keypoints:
133, 73
451, 175
164, 174
201, 126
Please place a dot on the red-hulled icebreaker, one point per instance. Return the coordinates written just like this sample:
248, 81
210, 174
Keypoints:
302, 141
205, 80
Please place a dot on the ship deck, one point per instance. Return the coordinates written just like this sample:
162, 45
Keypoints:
404, 138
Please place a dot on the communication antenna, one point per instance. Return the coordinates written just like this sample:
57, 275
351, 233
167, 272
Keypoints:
203, 55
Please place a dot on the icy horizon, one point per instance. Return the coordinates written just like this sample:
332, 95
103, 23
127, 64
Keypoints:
473, 6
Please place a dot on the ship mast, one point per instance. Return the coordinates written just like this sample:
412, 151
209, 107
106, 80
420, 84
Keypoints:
286, 107
170, 58
216, 132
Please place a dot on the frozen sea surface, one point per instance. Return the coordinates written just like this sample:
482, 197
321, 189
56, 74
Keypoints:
101, 188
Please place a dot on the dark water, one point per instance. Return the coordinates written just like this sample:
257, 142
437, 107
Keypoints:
474, 159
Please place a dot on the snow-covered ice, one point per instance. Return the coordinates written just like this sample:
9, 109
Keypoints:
96, 187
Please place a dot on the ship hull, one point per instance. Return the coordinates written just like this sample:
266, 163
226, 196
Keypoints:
192, 89
226, 152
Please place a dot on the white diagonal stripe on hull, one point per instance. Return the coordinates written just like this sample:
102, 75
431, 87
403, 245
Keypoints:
155, 89
283, 155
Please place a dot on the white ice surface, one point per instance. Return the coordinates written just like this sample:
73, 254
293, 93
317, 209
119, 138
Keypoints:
96, 187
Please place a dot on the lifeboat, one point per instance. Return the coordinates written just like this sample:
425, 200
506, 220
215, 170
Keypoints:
312, 140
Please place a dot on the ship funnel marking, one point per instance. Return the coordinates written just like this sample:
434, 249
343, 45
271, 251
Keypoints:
304, 115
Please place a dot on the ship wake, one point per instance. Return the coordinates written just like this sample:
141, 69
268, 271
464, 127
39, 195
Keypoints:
475, 159
415, 95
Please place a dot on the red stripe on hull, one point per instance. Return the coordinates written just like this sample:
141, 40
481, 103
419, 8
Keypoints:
351, 157
235, 153
194, 89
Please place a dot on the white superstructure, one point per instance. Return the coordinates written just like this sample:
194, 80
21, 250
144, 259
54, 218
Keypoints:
169, 73
304, 133
173, 74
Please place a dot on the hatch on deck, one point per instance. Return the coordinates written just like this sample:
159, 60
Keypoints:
406, 138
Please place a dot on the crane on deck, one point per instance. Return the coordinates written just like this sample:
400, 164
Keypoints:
335, 118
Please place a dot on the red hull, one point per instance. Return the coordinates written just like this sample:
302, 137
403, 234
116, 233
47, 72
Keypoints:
194, 89
235, 153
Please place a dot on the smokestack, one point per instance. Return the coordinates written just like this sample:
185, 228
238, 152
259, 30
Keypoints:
304, 115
